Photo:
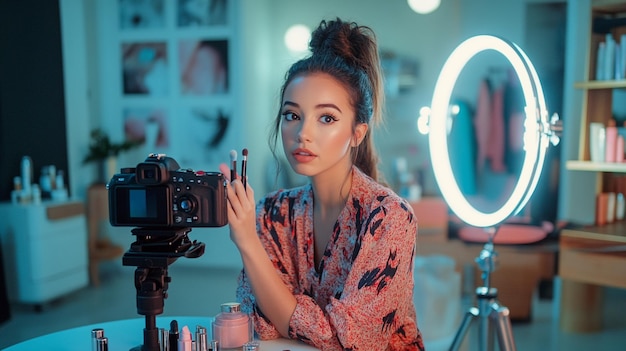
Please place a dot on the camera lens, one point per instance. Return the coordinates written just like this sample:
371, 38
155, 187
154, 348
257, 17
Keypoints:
186, 204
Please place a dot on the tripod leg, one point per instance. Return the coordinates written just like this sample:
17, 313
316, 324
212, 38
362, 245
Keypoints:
470, 315
500, 317
485, 332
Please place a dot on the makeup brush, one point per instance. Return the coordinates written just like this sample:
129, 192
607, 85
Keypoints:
233, 167
244, 166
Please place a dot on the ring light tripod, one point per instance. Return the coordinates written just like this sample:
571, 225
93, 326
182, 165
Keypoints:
489, 313
538, 133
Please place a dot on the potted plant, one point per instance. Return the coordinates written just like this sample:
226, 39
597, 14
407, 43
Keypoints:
104, 152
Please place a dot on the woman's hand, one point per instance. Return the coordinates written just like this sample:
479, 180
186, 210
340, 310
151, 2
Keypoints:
241, 209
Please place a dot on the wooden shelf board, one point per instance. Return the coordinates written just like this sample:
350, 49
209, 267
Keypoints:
609, 5
601, 84
615, 232
576, 165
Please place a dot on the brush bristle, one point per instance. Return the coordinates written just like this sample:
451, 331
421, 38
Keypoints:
233, 155
244, 152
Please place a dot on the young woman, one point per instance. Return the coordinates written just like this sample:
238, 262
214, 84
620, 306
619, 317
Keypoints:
330, 262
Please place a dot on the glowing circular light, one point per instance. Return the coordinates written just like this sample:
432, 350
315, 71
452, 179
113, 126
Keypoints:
535, 139
297, 38
423, 7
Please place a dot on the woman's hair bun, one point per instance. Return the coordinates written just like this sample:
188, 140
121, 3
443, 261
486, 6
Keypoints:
347, 40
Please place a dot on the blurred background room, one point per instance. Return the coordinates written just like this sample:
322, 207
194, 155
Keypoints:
88, 87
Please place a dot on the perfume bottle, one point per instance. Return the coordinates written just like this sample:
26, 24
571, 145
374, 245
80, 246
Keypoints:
231, 328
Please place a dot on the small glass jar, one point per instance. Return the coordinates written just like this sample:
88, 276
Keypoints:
232, 328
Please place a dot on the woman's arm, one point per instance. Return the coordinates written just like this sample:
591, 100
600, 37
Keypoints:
272, 296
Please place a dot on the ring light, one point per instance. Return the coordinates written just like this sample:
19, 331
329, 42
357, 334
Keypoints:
537, 130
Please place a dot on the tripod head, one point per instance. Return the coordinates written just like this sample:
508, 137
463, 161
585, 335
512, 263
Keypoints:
152, 253
486, 259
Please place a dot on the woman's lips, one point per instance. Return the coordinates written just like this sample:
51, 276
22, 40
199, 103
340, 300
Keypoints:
303, 155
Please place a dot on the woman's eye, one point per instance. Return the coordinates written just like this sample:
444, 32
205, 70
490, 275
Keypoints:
327, 119
289, 116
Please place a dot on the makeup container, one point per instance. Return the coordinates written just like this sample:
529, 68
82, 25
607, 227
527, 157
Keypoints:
16, 193
620, 207
611, 141
610, 208
619, 149
231, 328
213, 345
97, 333
251, 346
36, 194
597, 141
202, 342
173, 338
103, 344
27, 175
164, 339
602, 203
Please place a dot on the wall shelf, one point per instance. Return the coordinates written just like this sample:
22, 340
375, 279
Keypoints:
601, 84
591, 257
612, 167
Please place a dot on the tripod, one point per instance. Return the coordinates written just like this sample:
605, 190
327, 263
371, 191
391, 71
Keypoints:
152, 253
489, 313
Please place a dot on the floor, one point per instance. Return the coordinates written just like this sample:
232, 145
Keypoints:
199, 291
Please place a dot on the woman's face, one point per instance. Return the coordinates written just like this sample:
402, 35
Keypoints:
317, 125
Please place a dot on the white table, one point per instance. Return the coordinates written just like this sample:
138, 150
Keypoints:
128, 333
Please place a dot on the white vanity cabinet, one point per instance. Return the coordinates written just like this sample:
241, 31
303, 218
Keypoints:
44, 248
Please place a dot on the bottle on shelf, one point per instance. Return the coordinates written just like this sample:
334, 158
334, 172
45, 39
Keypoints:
611, 141
619, 149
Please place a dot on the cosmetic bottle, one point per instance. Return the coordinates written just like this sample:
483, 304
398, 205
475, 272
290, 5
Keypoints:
27, 176
213, 345
611, 141
609, 57
185, 340
600, 58
164, 339
610, 207
202, 342
602, 202
597, 141
620, 207
103, 344
96, 334
619, 149
231, 327
36, 194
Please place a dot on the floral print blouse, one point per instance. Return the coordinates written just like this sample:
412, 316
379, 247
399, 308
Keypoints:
361, 295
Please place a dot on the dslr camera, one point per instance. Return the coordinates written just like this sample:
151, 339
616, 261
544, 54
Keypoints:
158, 193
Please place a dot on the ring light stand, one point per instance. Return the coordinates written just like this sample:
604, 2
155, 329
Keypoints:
539, 131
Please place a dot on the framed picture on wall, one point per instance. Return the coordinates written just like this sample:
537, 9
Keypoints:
172, 80
208, 131
148, 125
197, 13
203, 66
142, 14
145, 68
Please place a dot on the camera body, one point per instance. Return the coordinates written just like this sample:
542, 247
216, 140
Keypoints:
158, 193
